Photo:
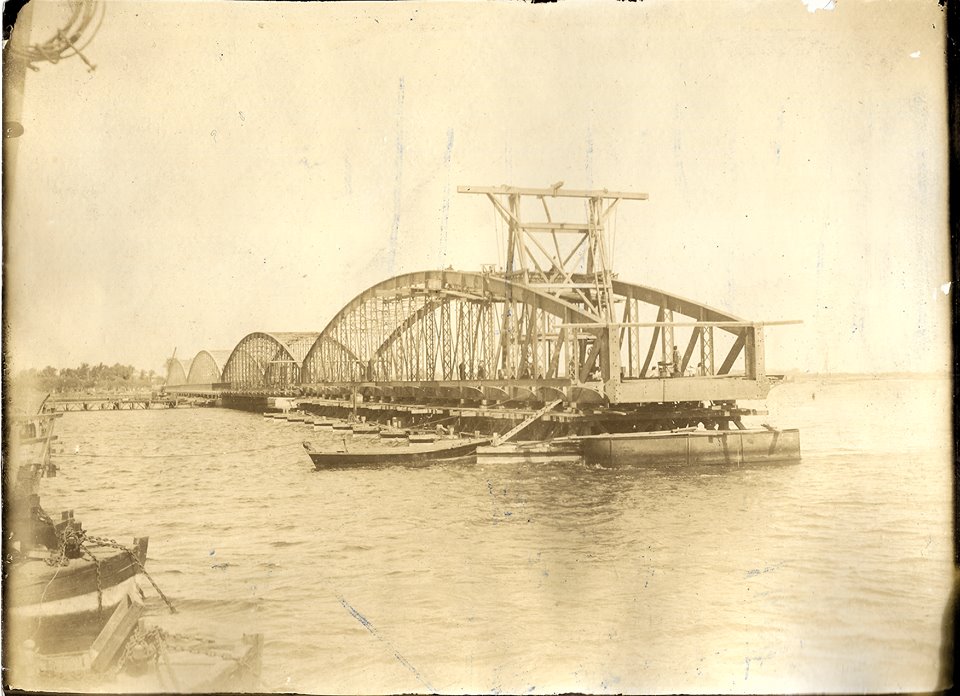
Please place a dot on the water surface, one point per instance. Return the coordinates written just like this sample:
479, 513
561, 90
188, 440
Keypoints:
827, 575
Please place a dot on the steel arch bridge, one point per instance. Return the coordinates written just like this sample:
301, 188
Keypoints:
469, 335
556, 323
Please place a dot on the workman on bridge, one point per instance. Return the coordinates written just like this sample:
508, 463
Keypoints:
676, 363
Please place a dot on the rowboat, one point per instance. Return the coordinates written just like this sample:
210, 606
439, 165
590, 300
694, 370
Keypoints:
443, 450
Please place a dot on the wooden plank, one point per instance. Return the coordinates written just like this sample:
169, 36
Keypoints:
578, 227
115, 633
553, 193
535, 417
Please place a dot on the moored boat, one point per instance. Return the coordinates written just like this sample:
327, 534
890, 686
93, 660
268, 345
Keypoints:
61, 600
443, 450
61, 582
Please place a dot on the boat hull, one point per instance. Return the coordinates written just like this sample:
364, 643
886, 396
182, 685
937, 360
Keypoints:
56, 606
402, 455
715, 447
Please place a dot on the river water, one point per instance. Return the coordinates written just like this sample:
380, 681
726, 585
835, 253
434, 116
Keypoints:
826, 575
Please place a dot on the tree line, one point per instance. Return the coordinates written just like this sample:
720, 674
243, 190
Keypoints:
88, 377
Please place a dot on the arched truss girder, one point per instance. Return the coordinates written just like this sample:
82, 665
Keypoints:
177, 371
472, 285
267, 360
375, 322
440, 325
207, 366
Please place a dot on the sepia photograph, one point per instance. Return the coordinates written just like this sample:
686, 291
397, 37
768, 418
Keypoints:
479, 347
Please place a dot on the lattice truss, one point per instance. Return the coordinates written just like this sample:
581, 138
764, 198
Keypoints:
419, 333
263, 360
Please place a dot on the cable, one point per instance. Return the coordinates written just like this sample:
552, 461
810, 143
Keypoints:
176, 456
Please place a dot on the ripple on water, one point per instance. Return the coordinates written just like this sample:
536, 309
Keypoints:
501, 577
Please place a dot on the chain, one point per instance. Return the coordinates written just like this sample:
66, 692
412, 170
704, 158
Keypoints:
96, 562
151, 640
61, 558
69, 534
114, 544
159, 640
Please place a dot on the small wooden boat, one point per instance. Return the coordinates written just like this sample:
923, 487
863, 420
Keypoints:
342, 426
365, 429
427, 453
322, 424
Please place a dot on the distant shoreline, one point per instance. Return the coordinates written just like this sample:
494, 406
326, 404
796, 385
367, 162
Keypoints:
856, 376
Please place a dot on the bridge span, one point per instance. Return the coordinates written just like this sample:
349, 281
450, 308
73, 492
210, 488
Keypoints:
556, 323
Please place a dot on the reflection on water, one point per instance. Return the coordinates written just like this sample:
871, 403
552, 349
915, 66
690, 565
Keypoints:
826, 574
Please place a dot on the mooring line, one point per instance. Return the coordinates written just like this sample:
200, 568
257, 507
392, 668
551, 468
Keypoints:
174, 456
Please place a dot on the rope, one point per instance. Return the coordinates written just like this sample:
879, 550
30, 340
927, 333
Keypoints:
67, 41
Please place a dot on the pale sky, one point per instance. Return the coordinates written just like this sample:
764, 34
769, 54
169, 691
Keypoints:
238, 167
